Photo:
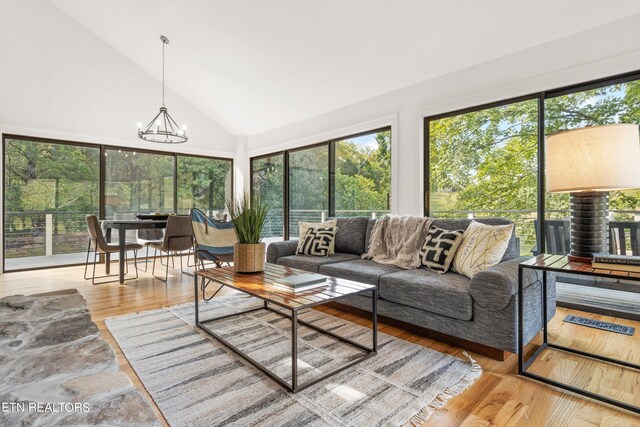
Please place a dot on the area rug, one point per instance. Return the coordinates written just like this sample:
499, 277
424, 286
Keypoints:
196, 381
56, 370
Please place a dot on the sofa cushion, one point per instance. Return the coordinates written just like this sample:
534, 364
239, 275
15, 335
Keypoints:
462, 224
313, 263
447, 294
360, 270
351, 234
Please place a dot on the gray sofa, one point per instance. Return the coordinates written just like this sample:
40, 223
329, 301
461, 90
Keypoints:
482, 310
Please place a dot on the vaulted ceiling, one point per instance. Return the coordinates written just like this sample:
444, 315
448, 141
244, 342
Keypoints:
256, 65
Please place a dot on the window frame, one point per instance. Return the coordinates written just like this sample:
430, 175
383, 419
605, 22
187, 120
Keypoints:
331, 144
541, 96
102, 175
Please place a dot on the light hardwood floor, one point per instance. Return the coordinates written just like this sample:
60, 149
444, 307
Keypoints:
500, 397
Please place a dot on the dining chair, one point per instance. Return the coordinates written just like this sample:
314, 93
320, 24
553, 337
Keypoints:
178, 237
212, 241
146, 236
100, 246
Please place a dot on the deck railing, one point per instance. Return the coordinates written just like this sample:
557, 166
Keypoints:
37, 234
29, 234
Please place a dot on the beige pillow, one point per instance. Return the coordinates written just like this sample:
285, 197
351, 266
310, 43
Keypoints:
304, 226
482, 246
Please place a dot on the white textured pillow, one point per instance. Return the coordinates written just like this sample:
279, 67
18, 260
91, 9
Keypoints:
304, 226
482, 246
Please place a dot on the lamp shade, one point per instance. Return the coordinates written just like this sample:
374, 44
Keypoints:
595, 158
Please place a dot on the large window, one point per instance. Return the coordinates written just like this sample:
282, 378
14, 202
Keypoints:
50, 186
349, 176
203, 183
48, 190
267, 182
137, 182
483, 163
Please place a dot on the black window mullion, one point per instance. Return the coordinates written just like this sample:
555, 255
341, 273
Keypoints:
102, 166
426, 171
175, 183
251, 190
285, 194
4, 200
332, 180
541, 175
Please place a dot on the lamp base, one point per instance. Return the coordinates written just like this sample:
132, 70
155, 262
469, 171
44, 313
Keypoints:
589, 224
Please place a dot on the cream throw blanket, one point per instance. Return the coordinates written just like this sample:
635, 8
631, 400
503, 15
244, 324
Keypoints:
397, 240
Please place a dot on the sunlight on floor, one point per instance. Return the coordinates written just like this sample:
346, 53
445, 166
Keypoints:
347, 393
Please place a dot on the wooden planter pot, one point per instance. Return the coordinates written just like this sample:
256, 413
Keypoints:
249, 258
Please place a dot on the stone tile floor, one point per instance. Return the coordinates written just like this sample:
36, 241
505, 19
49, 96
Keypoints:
55, 369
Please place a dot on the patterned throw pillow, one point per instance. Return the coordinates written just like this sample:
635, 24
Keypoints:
439, 248
304, 226
482, 246
317, 241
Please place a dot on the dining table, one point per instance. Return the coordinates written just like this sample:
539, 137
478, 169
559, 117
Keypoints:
123, 226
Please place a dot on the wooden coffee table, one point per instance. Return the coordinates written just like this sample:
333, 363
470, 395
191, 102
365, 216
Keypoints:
260, 285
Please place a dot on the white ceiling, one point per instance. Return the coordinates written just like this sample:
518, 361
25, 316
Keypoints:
257, 65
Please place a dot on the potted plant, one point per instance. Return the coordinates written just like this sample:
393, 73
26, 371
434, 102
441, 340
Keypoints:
248, 217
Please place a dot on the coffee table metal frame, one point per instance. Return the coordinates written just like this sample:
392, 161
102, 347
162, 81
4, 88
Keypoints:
293, 387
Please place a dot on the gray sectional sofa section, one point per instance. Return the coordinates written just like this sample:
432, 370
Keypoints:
482, 310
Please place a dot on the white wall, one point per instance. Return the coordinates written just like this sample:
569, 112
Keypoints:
601, 52
59, 80
241, 170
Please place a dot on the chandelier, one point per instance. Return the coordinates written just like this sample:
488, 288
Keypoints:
163, 129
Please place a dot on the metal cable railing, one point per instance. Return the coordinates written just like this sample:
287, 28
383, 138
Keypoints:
44, 233
29, 234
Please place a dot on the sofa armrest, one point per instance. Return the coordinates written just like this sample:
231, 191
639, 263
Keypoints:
493, 288
276, 250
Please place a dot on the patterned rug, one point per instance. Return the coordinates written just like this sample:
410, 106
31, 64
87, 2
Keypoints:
196, 381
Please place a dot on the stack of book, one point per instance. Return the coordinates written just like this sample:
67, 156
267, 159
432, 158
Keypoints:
616, 262
300, 282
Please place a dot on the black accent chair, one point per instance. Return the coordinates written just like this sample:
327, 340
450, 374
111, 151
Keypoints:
618, 232
556, 236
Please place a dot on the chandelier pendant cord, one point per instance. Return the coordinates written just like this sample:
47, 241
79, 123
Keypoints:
163, 45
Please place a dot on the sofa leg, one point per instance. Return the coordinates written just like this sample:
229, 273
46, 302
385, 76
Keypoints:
481, 349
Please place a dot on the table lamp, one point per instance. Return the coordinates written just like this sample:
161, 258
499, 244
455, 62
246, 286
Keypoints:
588, 163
